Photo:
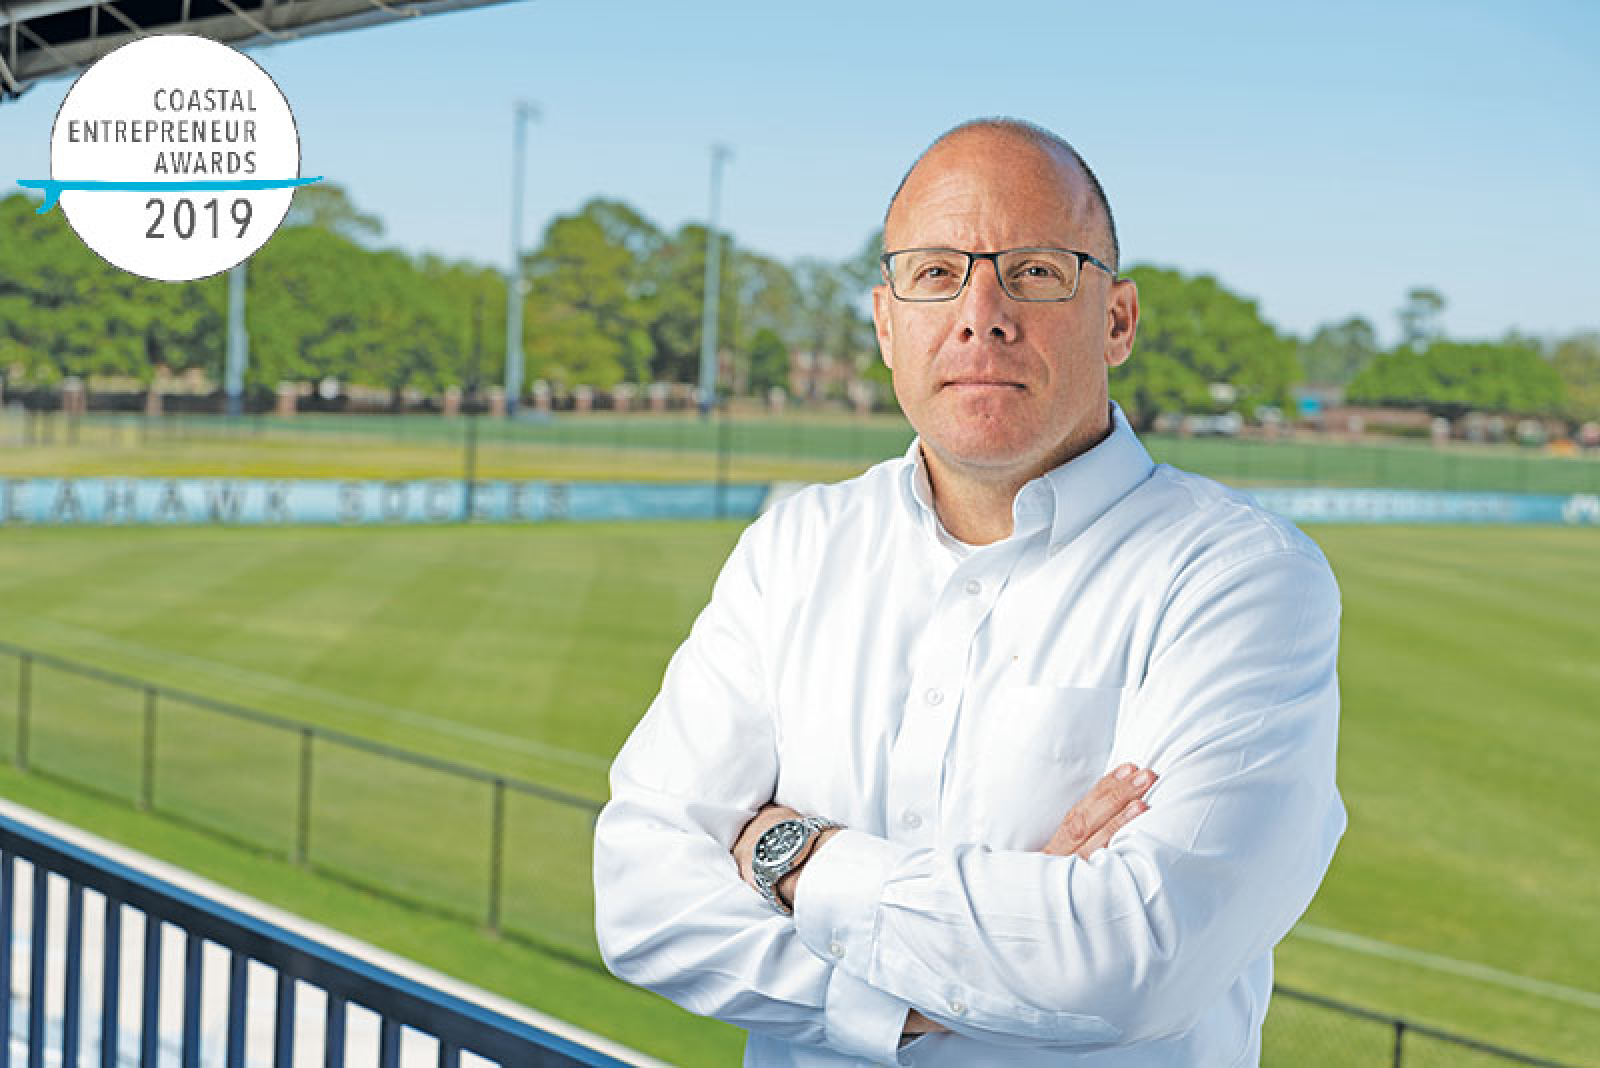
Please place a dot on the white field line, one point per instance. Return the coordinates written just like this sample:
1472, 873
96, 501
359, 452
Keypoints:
260, 680
1464, 968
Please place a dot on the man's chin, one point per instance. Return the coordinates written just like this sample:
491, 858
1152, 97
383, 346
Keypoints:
981, 453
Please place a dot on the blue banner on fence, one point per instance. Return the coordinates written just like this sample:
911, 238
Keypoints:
250, 501
1418, 506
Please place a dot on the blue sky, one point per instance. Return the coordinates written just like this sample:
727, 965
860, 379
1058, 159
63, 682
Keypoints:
1320, 159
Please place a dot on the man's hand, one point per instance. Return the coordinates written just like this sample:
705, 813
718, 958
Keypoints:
1102, 812
1087, 827
918, 1024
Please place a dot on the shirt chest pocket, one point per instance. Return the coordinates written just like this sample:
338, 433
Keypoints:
1039, 749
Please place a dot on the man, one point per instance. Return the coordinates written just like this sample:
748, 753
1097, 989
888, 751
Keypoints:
897, 714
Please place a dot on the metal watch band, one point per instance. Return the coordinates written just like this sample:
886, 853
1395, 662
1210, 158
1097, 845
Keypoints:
767, 881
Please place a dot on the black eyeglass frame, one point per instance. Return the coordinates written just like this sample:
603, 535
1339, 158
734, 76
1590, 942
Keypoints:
993, 258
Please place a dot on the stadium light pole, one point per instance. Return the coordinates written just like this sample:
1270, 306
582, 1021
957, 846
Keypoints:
238, 344
708, 318
469, 477
523, 112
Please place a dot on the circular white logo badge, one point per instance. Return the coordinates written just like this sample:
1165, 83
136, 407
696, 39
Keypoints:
174, 158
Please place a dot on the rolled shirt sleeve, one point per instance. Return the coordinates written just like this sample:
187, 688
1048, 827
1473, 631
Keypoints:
1237, 713
671, 911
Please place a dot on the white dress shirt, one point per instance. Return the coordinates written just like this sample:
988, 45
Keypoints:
948, 704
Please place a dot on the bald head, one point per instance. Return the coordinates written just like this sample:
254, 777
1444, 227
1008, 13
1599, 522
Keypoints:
1078, 184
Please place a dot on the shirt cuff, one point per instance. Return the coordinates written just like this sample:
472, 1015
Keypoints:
836, 897
861, 1020
836, 901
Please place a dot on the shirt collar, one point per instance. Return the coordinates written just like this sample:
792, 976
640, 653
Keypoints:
1070, 497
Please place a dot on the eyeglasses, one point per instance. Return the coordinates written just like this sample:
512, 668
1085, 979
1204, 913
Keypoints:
1031, 274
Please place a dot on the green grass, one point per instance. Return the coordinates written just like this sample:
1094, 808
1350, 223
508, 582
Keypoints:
1471, 695
383, 460
1470, 719
683, 447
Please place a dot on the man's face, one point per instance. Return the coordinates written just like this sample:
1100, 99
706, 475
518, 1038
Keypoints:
999, 388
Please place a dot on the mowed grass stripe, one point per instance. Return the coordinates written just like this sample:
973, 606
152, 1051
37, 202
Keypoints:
378, 639
89, 646
400, 664
1464, 755
194, 602
74, 584
1468, 722
1543, 604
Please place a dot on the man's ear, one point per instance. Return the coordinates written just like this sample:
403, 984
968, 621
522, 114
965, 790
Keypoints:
880, 322
1122, 321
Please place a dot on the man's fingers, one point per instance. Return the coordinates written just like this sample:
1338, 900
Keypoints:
1101, 838
1103, 803
918, 1024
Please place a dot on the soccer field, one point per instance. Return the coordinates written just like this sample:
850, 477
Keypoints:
1471, 713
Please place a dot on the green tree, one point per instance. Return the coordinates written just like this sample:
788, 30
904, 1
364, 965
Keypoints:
769, 362
833, 308
766, 300
324, 302
1576, 361
679, 273
1419, 318
1337, 352
311, 295
864, 269
467, 304
1450, 378
1194, 333
398, 337
64, 311
328, 206
591, 293
323, 305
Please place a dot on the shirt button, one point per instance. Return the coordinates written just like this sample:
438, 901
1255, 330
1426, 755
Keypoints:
974, 587
836, 948
934, 696
911, 819
956, 1007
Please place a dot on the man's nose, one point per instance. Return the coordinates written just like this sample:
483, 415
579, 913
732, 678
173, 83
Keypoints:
985, 309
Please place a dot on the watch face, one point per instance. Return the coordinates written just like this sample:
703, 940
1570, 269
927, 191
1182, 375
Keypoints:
780, 843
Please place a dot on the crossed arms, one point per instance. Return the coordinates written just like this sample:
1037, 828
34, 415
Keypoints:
1237, 710
1086, 829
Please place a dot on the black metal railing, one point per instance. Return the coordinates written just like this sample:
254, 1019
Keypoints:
1310, 1029
118, 897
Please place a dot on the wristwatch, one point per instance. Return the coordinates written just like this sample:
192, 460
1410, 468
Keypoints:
777, 850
